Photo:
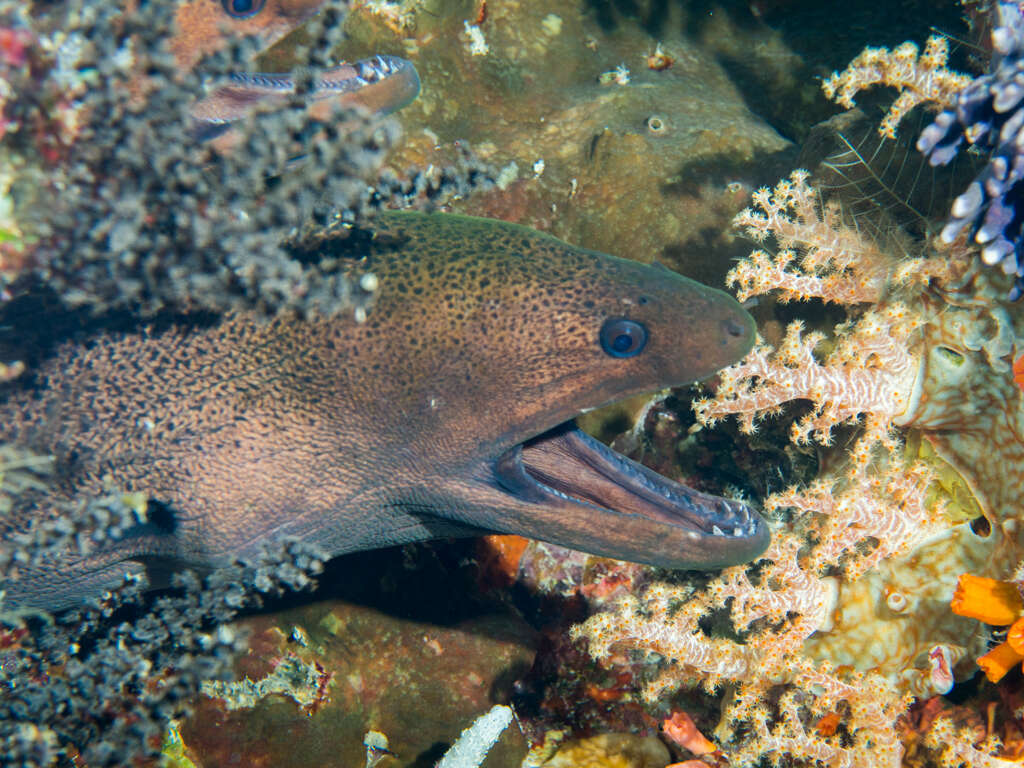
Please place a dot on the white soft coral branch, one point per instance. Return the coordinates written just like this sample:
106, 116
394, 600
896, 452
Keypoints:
920, 79
835, 262
871, 371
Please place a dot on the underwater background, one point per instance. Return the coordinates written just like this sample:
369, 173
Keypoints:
851, 172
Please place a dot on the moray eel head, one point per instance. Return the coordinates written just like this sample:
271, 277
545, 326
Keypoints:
532, 332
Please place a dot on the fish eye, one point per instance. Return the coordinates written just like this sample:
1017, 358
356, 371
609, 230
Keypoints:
623, 338
242, 9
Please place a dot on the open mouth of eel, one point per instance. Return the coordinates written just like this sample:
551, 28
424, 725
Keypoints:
630, 511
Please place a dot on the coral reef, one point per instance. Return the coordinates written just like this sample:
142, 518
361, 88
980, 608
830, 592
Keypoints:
304, 682
608, 750
913, 419
827, 640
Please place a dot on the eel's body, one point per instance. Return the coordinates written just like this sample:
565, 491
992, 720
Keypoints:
443, 413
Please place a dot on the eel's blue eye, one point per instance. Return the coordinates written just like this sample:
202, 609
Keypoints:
242, 9
623, 338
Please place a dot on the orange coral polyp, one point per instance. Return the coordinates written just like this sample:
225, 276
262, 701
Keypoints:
1000, 660
987, 600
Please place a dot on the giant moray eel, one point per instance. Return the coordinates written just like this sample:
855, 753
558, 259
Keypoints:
447, 412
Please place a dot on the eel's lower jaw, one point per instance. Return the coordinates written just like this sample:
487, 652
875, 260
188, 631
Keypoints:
674, 525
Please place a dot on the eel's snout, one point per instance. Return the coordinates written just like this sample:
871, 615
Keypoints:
695, 330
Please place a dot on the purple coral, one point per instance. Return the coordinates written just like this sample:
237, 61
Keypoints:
989, 113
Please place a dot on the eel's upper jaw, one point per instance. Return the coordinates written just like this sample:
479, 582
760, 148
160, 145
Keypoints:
610, 505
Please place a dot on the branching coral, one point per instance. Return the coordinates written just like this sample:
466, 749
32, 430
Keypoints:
81, 684
146, 216
870, 371
100, 683
985, 112
836, 263
135, 212
775, 615
922, 78
846, 617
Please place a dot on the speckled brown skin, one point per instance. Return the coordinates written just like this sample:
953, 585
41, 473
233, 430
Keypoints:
355, 436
